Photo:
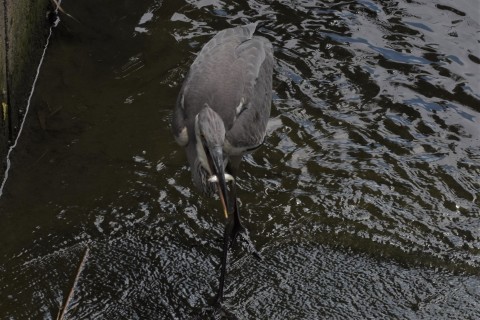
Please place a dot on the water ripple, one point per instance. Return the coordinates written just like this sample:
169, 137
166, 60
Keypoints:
364, 200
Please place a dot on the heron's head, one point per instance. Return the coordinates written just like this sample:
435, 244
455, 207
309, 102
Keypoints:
210, 136
210, 128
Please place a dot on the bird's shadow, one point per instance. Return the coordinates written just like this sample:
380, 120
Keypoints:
216, 310
219, 310
247, 244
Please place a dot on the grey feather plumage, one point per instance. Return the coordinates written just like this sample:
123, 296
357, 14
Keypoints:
232, 75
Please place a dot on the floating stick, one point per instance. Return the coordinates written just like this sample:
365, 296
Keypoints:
61, 316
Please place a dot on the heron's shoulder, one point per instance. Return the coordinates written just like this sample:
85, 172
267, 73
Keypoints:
256, 49
234, 35
239, 33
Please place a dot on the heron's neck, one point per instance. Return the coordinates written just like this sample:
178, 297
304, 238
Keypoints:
199, 148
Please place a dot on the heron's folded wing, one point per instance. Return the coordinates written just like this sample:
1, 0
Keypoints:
197, 86
253, 110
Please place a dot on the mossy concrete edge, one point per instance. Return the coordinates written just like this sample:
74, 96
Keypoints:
23, 32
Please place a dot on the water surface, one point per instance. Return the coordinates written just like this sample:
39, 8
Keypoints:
363, 201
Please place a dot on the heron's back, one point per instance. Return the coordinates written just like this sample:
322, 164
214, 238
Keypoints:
226, 71
232, 74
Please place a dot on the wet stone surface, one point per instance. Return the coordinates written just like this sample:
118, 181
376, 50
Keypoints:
363, 201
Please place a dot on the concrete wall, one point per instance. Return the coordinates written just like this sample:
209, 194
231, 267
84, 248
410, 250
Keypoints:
23, 31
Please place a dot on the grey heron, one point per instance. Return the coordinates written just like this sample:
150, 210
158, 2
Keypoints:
221, 114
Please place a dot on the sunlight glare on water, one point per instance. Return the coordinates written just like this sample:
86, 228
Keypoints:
364, 200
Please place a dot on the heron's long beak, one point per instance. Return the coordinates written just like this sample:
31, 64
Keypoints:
218, 170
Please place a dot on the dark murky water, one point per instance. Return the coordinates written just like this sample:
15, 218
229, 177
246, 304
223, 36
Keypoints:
364, 201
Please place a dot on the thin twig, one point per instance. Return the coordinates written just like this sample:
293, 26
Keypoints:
59, 8
59, 310
70, 295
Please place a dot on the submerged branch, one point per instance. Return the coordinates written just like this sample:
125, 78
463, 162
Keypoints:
61, 316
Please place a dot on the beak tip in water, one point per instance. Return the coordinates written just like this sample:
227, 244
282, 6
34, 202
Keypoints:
222, 199
219, 176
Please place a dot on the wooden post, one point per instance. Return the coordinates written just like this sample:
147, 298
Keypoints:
23, 31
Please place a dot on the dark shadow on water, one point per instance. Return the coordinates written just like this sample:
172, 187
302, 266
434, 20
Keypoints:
363, 200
